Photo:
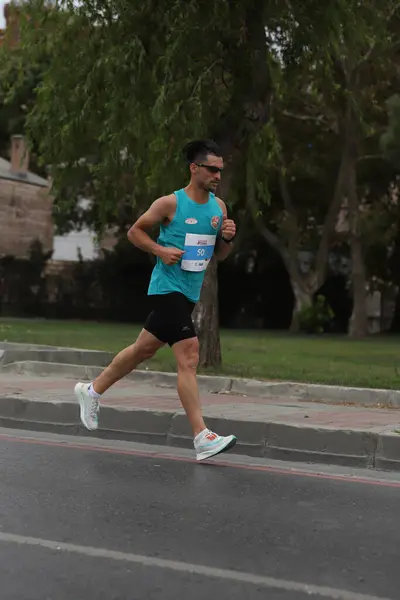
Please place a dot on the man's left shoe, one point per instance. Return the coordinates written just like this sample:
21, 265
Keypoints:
210, 444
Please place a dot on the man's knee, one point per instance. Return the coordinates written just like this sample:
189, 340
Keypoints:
146, 346
187, 354
144, 351
137, 353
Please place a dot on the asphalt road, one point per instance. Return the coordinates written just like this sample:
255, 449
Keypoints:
114, 521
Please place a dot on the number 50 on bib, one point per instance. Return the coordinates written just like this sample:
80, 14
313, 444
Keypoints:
198, 251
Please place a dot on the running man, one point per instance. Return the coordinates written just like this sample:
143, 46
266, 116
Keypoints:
193, 227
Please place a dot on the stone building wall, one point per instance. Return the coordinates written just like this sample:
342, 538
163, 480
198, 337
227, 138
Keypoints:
25, 216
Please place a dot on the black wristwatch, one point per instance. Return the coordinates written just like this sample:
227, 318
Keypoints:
227, 241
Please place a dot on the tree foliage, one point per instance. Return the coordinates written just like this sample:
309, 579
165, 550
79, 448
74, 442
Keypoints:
293, 91
323, 136
125, 84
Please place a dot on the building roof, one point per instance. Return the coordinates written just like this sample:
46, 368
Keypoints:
30, 178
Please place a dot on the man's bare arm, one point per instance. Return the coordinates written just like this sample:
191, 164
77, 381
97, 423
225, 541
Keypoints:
223, 249
161, 210
156, 214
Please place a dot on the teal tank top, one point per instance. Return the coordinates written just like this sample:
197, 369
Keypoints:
193, 229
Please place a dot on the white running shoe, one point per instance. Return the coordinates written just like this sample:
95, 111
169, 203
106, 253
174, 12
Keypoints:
210, 444
89, 406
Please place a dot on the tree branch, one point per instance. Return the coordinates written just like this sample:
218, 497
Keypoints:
287, 201
321, 263
202, 76
291, 211
374, 51
288, 256
298, 117
271, 238
370, 157
286, 196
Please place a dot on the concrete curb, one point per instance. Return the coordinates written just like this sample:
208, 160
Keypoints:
312, 391
86, 370
275, 440
71, 356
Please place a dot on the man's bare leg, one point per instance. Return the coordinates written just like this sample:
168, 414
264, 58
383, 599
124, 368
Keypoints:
206, 442
126, 361
187, 358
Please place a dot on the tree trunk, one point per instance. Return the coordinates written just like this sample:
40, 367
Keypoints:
358, 325
206, 319
395, 326
394, 267
302, 299
206, 313
246, 114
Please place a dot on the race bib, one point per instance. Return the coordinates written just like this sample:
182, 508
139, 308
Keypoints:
198, 251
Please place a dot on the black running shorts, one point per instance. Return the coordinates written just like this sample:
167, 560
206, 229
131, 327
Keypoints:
171, 318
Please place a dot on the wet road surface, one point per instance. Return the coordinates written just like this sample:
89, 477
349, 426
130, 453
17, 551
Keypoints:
101, 520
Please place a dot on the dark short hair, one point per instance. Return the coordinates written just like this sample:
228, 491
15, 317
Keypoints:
199, 149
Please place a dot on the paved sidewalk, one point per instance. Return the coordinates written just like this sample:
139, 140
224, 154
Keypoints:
80, 364
282, 428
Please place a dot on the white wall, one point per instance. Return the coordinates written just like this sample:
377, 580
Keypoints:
2, 20
66, 246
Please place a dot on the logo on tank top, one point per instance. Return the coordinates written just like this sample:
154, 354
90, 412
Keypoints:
215, 222
191, 221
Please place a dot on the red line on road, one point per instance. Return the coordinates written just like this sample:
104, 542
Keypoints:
215, 462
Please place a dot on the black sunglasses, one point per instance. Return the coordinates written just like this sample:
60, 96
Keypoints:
210, 168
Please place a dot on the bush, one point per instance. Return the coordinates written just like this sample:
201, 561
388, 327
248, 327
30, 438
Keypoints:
317, 317
23, 284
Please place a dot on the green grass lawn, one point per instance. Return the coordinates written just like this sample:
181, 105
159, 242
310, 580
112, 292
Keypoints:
374, 362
